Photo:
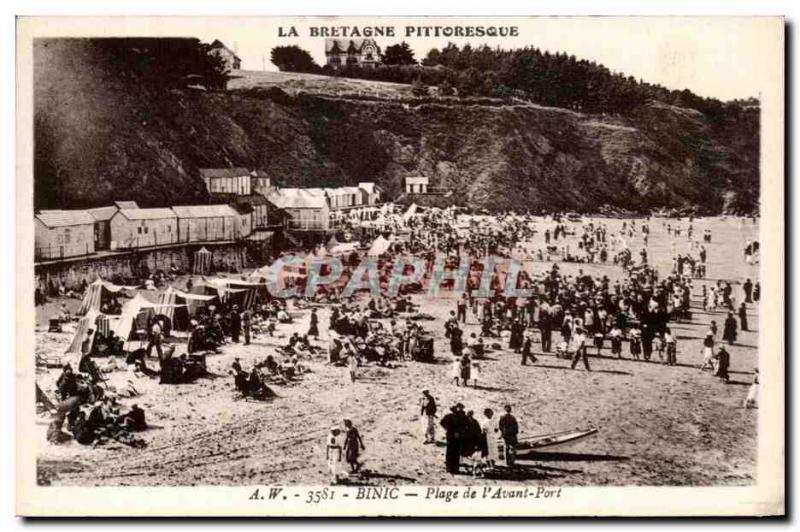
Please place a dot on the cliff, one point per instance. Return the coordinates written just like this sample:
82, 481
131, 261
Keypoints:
99, 139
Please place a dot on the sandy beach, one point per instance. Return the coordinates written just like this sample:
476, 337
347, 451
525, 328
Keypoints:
658, 424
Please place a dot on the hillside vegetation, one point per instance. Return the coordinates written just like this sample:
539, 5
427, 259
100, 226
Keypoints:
99, 137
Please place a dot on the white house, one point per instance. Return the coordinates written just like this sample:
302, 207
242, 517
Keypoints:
371, 193
62, 234
228, 56
416, 185
138, 228
340, 53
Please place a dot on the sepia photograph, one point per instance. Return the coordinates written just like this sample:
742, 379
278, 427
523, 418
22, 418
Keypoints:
334, 262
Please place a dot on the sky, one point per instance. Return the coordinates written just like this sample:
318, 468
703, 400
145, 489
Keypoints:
721, 57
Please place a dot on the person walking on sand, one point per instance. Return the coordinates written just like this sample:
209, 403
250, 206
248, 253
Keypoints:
509, 429
723, 359
671, 346
526, 350
333, 453
491, 442
579, 347
466, 368
455, 371
313, 329
708, 351
428, 411
453, 424
353, 445
729, 329
352, 366
743, 317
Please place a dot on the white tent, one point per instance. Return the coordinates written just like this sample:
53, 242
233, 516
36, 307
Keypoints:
379, 246
84, 324
412, 210
131, 310
93, 298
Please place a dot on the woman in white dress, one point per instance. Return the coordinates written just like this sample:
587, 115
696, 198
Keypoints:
490, 431
455, 371
333, 453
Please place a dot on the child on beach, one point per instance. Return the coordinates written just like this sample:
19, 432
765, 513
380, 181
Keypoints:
636, 343
476, 373
455, 371
752, 393
671, 346
333, 453
616, 341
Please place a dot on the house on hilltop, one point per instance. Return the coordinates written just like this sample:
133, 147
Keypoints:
228, 56
364, 53
416, 185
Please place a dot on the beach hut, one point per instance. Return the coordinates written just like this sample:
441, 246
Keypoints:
205, 223
138, 228
63, 234
202, 262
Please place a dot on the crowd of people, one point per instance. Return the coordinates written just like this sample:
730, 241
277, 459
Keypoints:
570, 315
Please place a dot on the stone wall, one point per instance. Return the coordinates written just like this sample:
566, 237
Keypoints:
133, 266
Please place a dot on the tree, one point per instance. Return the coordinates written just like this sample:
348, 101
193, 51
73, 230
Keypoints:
293, 59
399, 54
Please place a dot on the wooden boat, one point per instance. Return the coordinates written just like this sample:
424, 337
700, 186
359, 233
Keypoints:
559, 439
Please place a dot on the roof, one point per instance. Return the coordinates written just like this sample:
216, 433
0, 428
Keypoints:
344, 44
370, 187
126, 204
223, 172
64, 218
259, 173
103, 214
416, 179
242, 208
147, 214
251, 199
299, 198
204, 211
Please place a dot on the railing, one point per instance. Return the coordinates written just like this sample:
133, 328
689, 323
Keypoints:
54, 252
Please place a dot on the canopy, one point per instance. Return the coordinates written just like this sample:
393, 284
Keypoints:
135, 315
379, 246
172, 302
84, 324
98, 292
240, 292
202, 261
